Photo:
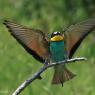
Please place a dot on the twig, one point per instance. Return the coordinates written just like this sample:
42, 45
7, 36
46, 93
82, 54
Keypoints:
38, 73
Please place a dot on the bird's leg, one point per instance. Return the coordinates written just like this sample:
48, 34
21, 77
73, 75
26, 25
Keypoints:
39, 77
46, 63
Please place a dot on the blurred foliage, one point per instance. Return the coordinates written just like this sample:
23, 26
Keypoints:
49, 15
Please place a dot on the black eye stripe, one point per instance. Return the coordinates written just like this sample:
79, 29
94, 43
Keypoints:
55, 33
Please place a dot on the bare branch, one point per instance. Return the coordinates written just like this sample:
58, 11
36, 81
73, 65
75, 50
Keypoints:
38, 73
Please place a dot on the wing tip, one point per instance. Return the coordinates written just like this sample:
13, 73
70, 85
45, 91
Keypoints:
5, 22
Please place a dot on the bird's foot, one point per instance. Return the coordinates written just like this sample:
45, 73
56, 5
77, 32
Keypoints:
46, 63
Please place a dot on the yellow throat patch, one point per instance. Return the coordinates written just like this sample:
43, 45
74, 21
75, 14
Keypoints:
57, 38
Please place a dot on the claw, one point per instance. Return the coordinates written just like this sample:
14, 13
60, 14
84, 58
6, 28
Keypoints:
46, 63
39, 77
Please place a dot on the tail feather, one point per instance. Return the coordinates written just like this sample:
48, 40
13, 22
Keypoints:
61, 77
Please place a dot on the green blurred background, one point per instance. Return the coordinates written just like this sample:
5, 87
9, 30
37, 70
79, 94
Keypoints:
16, 64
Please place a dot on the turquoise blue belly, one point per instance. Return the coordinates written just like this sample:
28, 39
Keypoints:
57, 51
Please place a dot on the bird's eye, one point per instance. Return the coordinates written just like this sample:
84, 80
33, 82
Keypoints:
59, 33
55, 33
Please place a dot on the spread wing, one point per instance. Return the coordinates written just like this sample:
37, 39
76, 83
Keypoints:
75, 34
34, 41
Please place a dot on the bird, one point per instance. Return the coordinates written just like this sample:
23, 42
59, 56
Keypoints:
58, 47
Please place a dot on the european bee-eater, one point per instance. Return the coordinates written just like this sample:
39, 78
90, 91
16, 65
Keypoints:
60, 46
